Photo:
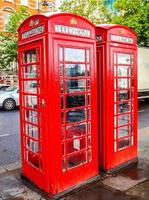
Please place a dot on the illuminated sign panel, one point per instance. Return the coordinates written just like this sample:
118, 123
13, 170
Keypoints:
32, 32
72, 31
117, 38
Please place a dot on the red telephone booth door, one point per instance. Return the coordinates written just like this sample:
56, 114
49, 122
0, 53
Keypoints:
32, 115
124, 137
76, 90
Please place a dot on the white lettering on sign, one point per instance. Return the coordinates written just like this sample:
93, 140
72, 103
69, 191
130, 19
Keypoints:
117, 38
32, 32
72, 31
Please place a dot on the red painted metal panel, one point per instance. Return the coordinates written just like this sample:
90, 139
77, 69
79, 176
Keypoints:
117, 77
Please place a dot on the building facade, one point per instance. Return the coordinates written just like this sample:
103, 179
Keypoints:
34, 7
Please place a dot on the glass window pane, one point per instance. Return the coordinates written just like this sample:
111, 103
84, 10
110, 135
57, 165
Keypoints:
32, 131
77, 159
31, 101
124, 119
32, 145
76, 130
123, 95
123, 131
62, 102
123, 83
74, 55
76, 145
75, 100
61, 70
30, 86
75, 70
124, 71
123, 58
76, 115
75, 85
123, 143
88, 70
30, 71
123, 107
32, 116
30, 56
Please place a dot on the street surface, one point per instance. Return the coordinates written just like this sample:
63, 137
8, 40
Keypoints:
10, 139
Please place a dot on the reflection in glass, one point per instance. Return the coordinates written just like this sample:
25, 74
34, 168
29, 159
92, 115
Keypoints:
89, 99
30, 56
32, 145
75, 85
75, 70
123, 58
125, 142
75, 130
89, 128
62, 102
32, 116
123, 107
30, 86
76, 145
74, 55
76, 115
123, 95
64, 164
75, 100
123, 71
32, 131
30, 71
31, 101
61, 86
62, 117
123, 119
89, 84
123, 83
123, 131
77, 159
61, 70
88, 70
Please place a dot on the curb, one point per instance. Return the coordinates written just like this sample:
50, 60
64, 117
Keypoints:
10, 167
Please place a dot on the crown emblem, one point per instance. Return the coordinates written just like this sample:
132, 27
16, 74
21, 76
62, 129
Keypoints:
73, 21
31, 23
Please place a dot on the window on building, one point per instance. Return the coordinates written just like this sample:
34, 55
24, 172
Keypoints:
6, 19
9, 1
24, 2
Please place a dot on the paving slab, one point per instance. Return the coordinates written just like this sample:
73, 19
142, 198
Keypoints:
121, 183
10, 187
141, 191
28, 195
12, 166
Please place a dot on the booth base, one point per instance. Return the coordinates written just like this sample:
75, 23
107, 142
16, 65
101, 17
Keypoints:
46, 195
120, 167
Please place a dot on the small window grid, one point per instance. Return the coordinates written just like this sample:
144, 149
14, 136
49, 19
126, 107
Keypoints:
75, 109
123, 102
31, 114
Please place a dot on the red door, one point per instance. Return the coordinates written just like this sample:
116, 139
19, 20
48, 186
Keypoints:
124, 120
75, 79
31, 110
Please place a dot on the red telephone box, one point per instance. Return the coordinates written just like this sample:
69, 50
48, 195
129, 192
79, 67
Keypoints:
58, 101
117, 78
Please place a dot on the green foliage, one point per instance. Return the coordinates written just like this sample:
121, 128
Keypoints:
134, 14
94, 10
9, 38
